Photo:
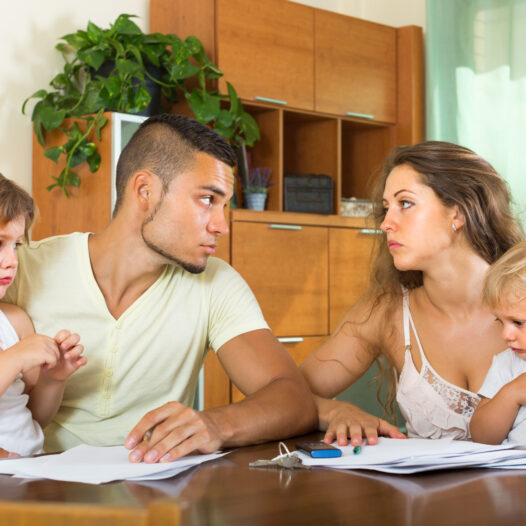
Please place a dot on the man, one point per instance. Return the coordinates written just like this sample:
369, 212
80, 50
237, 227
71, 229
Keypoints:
147, 304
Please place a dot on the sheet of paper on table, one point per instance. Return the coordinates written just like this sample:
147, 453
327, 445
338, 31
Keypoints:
96, 465
414, 455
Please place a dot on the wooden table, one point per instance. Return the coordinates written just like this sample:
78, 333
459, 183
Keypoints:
226, 492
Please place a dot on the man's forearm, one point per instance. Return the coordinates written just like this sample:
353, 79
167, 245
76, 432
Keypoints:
281, 409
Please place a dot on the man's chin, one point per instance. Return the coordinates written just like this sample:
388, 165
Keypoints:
192, 268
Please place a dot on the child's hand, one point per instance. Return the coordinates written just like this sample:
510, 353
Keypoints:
33, 351
70, 358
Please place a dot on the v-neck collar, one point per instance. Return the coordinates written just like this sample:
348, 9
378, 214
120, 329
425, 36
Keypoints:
96, 292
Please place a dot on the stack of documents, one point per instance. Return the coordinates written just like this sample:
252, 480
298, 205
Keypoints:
95, 465
414, 455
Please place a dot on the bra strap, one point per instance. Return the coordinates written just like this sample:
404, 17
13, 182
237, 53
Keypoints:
406, 314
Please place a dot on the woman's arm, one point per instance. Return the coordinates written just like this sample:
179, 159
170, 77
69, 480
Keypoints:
337, 364
494, 417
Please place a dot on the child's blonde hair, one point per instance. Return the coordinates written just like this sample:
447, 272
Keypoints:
15, 202
505, 281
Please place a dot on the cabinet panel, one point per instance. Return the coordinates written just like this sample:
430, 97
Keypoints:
265, 49
355, 66
350, 264
299, 349
288, 272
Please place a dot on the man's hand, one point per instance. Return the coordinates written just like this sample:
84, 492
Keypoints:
349, 421
70, 356
170, 432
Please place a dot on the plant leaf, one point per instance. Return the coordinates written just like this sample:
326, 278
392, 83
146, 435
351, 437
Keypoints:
54, 153
235, 105
51, 118
94, 161
95, 33
124, 25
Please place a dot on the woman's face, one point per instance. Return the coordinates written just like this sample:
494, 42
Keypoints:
417, 224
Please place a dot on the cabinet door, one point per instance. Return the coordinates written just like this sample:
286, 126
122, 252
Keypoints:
288, 272
265, 49
299, 348
350, 264
355, 66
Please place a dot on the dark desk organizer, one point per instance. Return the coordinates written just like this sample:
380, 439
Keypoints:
307, 193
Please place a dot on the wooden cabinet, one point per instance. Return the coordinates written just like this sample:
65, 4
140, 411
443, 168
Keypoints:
355, 67
286, 266
266, 50
305, 270
350, 254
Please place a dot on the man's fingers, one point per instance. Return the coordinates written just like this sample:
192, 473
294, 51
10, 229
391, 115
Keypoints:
150, 420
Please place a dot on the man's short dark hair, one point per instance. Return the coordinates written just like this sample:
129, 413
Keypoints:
166, 145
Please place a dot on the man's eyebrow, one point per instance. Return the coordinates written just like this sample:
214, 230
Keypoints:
214, 189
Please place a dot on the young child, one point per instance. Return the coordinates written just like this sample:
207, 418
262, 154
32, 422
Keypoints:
33, 367
501, 414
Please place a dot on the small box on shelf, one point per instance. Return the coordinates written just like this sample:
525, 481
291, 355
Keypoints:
308, 193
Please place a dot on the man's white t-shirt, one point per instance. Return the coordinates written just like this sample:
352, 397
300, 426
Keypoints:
149, 356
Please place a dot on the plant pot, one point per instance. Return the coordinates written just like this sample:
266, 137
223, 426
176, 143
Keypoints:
255, 201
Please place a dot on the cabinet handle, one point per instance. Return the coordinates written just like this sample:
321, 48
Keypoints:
370, 231
290, 340
267, 99
362, 115
277, 226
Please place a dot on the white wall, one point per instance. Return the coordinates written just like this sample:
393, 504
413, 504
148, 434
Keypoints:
29, 30
395, 13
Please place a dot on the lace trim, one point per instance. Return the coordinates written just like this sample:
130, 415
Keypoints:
458, 401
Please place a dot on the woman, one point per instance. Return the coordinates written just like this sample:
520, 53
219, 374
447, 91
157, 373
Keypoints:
446, 217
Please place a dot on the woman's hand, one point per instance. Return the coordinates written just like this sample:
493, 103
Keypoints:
343, 420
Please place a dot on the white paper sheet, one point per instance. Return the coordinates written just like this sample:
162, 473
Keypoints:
414, 455
96, 465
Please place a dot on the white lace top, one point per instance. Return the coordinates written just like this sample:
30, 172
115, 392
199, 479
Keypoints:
431, 406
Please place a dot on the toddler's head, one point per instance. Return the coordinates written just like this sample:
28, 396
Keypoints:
505, 293
17, 211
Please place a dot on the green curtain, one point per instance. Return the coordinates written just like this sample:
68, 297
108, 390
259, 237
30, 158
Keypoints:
476, 82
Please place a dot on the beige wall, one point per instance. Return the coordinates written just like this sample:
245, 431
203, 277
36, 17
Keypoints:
29, 30
389, 12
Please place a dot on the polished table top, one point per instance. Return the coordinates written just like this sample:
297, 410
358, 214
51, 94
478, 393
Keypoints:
227, 492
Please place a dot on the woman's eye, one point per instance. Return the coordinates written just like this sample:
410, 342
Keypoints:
405, 204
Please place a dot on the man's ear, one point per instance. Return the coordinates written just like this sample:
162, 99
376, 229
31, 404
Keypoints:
142, 187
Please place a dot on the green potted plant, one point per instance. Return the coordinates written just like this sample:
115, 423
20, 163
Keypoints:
108, 70
255, 189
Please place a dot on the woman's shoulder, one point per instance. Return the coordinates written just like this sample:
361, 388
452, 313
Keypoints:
376, 315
